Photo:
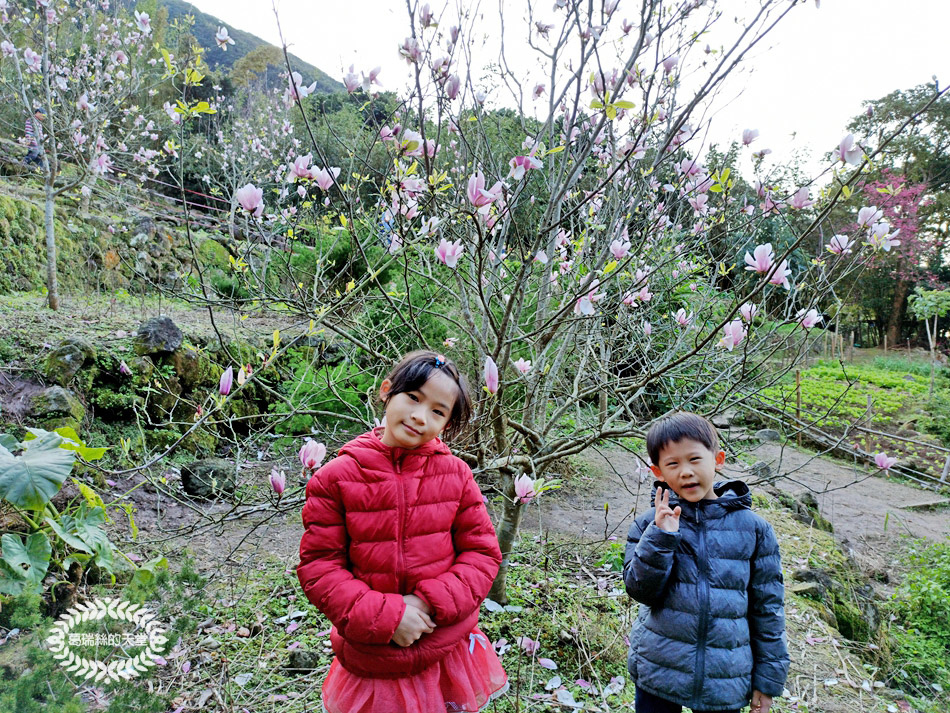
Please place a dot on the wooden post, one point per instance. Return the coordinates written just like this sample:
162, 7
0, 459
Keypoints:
885, 343
870, 411
851, 347
798, 403
946, 470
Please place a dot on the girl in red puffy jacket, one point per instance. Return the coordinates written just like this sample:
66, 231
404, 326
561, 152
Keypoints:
399, 552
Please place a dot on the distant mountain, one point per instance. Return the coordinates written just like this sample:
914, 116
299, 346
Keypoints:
205, 28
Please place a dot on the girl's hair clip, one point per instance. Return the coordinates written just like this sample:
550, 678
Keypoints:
439, 361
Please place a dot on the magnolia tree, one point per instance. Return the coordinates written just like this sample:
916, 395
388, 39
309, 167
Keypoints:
90, 69
574, 254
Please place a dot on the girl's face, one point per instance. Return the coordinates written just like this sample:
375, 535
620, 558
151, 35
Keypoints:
416, 417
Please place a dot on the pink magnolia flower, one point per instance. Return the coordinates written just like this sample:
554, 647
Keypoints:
761, 259
227, 379
325, 177
312, 454
410, 50
278, 480
869, 215
539, 89
699, 204
749, 135
521, 164
449, 253
450, 342
7, 48
491, 376
452, 86
297, 88
478, 196
690, 167
120, 57
300, 168
124, 369
523, 366
682, 319
32, 59
847, 152
524, 494
669, 64
884, 462
801, 199
387, 134
644, 295
143, 21
808, 319
781, 275
222, 38
881, 239
102, 164
411, 144
761, 153
647, 328
541, 257
840, 245
426, 16
619, 249
748, 311
733, 333
251, 199
351, 81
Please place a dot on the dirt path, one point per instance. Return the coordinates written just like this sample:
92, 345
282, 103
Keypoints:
869, 512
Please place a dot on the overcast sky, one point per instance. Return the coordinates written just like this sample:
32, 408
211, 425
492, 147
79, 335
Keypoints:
802, 85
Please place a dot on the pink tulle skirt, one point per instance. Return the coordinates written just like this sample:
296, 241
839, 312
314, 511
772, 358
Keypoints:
469, 678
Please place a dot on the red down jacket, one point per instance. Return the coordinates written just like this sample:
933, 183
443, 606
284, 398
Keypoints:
380, 522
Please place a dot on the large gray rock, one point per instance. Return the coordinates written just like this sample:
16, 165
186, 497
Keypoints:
208, 478
768, 434
57, 407
158, 335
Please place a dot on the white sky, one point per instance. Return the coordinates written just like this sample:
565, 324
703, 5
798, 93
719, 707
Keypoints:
808, 78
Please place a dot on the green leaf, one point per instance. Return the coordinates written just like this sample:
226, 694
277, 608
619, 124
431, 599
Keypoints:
9, 442
725, 175
29, 480
846, 190
74, 443
82, 530
34, 556
91, 496
716, 188
596, 104
624, 104
145, 573
611, 112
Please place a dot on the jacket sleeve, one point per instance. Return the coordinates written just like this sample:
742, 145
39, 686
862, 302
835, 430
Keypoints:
458, 592
648, 560
767, 615
359, 613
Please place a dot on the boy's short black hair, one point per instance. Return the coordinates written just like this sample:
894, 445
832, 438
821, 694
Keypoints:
673, 429
415, 368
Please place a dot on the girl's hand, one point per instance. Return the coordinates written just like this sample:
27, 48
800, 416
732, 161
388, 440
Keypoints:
414, 601
414, 624
666, 519
761, 703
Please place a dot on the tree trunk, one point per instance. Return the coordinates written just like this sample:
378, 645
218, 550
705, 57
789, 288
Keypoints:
507, 532
52, 285
897, 311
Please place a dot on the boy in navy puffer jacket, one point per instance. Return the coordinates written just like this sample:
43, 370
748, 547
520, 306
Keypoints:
710, 633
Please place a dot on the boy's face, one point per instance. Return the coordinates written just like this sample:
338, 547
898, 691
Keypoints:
689, 468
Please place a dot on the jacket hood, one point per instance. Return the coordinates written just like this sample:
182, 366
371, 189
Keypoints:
370, 444
732, 495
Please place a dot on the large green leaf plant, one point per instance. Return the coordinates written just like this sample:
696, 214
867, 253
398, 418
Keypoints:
31, 473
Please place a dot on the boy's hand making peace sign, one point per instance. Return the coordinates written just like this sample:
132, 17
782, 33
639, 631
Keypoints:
666, 519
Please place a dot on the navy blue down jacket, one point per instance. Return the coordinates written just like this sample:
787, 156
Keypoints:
711, 625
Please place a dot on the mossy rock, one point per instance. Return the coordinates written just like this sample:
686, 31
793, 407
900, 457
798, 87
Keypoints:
193, 369
213, 254
56, 407
208, 478
66, 360
157, 335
